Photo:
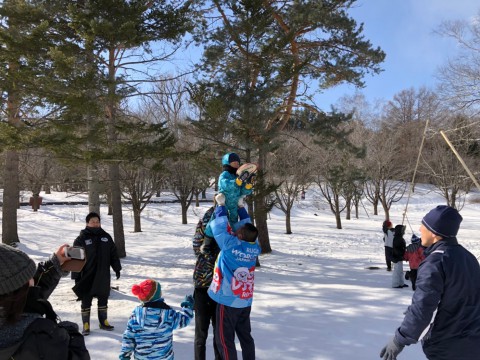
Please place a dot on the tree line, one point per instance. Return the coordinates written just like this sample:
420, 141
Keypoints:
89, 103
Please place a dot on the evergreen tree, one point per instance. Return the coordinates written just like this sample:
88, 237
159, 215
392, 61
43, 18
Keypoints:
264, 56
30, 33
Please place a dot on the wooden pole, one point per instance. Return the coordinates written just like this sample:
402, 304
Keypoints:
460, 159
415, 171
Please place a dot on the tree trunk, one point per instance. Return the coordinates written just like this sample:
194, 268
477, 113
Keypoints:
11, 179
10, 199
287, 222
118, 231
338, 218
137, 226
184, 211
349, 210
93, 189
261, 213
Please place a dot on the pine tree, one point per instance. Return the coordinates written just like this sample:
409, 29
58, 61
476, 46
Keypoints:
264, 56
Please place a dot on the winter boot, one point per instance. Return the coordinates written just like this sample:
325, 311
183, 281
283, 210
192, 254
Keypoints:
86, 321
102, 317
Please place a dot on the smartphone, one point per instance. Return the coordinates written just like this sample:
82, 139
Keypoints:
75, 252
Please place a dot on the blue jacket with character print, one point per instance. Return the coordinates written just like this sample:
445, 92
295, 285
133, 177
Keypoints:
233, 276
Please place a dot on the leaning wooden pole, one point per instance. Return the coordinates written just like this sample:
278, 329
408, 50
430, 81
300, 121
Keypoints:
412, 183
460, 159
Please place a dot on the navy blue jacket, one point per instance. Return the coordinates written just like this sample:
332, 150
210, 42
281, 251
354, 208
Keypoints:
448, 281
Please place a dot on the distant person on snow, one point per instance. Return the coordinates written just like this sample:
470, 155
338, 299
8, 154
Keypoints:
398, 250
414, 256
94, 279
447, 289
233, 282
387, 229
149, 332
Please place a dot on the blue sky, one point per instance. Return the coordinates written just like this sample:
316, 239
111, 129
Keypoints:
404, 29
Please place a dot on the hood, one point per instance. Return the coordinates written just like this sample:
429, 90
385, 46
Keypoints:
88, 231
148, 317
400, 230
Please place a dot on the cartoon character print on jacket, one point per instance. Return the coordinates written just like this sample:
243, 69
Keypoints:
217, 280
242, 282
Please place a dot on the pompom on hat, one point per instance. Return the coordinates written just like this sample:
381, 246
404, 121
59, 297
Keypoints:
16, 269
147, 290
443, 221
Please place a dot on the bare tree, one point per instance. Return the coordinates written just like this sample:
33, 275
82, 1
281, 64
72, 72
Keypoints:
291, 167
443, 168
460, 76
182, 180
385, 171
140, 183
35, 168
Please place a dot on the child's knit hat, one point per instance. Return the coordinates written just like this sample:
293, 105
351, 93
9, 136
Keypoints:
147, 290
415, 239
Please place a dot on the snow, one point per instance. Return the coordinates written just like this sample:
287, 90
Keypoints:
314, 296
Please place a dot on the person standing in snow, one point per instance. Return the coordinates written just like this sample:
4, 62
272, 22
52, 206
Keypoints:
205, 307
387, 228
448, 288
233, 281
398, 250
414, 256
149, 332
94, 279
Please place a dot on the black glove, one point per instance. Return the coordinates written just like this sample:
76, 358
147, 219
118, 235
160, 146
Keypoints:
118, 274
188, 302
243, 176
391, 350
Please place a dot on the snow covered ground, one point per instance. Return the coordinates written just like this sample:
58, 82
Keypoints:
314, 296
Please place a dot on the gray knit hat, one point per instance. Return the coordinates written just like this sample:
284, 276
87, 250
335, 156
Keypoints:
16, 269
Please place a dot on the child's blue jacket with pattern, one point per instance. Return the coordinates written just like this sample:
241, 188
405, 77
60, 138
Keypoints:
149, 332
228, 187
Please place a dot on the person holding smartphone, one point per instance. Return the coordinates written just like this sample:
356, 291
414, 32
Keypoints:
94, 279
29, 327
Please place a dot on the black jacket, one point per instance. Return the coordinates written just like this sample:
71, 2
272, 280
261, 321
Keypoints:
399, 244
101, 254
206, 249
38, 335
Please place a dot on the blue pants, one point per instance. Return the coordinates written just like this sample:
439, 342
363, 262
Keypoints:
231, 321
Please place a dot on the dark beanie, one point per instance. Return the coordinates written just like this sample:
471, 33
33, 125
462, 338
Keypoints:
443, 221
16, 269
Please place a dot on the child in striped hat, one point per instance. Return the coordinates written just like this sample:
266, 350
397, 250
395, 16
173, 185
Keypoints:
149, 332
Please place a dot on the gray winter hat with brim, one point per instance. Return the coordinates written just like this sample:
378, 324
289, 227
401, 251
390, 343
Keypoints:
16, 269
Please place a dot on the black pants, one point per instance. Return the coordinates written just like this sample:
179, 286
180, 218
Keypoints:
413, 277
231, 321
87, 301
205, 311
388, 256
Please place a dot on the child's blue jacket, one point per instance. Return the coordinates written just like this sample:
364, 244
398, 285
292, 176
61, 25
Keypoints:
149, 332
233, 276
232, 192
